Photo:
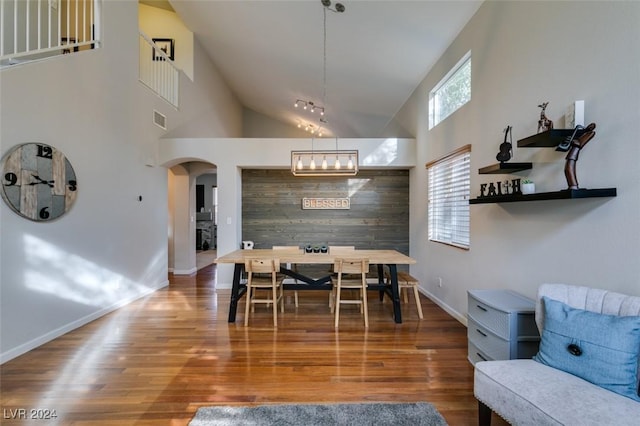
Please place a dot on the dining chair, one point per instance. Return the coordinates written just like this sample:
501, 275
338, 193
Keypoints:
270, 266
292, 267
338, 251
347, 269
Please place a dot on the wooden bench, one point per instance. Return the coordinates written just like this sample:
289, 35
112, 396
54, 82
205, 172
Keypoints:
405, 282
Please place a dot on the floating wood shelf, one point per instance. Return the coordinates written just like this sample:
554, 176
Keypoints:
549, 139
504, 168
556, 195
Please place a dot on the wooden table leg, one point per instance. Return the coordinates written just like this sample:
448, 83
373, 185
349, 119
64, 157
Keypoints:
381, 281
395, 293
236, 294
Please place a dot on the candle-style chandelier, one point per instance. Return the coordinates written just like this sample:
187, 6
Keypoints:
323, 163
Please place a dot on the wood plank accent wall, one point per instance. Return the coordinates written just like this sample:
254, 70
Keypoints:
272, 211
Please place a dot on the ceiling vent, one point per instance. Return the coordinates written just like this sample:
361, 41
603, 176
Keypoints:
160, 120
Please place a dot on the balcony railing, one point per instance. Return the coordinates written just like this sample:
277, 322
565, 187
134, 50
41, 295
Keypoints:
37, 29
158, 71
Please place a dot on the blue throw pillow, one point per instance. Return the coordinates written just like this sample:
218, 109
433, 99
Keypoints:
602, 349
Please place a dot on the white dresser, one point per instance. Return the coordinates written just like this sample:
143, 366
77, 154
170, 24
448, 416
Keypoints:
501, 325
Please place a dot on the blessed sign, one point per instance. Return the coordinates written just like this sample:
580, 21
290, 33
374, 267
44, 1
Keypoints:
325, 204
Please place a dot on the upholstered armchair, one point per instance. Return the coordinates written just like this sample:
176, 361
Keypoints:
587, 369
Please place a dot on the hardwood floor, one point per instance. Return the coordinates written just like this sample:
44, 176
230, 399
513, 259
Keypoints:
155, 361
205, 258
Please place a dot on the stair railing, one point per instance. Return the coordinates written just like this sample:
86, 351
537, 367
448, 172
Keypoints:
157, 71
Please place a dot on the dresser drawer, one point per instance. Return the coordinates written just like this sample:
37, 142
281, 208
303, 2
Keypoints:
489, 317
490, 344
501, 325
475, 354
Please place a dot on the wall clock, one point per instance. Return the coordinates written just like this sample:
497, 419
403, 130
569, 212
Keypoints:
38, 182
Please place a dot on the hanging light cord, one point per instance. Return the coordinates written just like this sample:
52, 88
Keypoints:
324, 57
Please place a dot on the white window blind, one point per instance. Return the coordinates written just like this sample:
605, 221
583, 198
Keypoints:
449, 191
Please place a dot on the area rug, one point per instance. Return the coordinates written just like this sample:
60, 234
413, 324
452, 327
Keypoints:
414, 414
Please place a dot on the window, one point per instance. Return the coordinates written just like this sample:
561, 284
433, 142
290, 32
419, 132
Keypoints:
449, 190
215, 205
453, 91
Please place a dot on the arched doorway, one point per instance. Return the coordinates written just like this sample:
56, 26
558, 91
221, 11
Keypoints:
184, 214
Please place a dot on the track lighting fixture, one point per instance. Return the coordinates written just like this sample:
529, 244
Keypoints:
339, 7
311, 128
309, 105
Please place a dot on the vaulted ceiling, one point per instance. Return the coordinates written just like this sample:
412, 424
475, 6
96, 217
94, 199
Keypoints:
377, 52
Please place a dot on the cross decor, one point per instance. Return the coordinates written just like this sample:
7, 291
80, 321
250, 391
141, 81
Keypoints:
496, 189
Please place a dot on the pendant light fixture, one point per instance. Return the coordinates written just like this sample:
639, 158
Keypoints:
303, 162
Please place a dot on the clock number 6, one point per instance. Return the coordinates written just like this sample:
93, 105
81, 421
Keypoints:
44, 214
11, 178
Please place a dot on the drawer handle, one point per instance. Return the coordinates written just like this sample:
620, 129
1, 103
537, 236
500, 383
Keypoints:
479, 331
482, 308
481, 357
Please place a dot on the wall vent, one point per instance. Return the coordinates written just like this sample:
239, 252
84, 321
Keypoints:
159, 120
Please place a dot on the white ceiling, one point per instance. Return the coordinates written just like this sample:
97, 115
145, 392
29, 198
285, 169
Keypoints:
271, 53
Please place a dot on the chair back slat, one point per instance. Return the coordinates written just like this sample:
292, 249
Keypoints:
287, 249
261, 266
351, 266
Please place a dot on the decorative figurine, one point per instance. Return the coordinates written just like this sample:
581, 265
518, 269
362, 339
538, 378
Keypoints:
505, 147
574, 151
544, 123
566, 143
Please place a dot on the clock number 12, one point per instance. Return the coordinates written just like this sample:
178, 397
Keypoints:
45, 151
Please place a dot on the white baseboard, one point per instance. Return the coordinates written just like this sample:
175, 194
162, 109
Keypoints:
185, 271
47, 337
461, 318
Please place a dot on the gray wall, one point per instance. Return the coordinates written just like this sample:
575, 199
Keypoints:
378, 217
18, 11
109, 248
525, 53
256, 125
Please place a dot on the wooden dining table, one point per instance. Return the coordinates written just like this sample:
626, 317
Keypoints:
391, 258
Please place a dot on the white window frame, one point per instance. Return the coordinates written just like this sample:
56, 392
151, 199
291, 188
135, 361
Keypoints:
214, 198
436, 115
449, 189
